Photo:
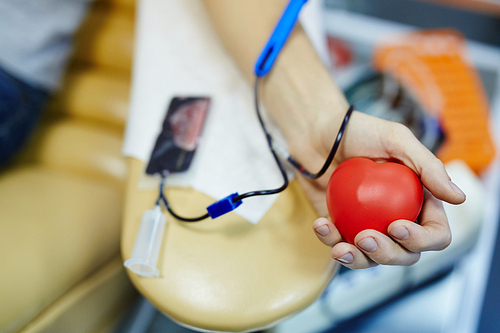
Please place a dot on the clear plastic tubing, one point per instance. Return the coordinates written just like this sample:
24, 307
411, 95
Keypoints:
147, 244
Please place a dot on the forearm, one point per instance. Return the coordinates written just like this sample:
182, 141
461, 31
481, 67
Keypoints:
298, 92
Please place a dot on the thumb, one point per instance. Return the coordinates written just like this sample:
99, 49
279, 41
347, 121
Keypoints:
435, 178
428, 167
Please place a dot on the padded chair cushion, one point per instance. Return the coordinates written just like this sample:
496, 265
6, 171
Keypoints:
61, 202
83, 148
105, 38
56, 229
227, 274
93, 305
95, 94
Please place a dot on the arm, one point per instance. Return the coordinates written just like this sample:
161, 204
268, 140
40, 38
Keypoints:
299, 81
302, 98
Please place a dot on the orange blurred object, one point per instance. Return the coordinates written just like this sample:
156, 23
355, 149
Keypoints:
432, 65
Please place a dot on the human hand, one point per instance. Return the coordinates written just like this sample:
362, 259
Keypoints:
383, 140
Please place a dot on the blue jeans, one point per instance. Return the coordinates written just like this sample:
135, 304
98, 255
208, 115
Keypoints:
21, 106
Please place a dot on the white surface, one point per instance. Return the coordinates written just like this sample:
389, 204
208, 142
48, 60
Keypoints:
178, 53
476, 266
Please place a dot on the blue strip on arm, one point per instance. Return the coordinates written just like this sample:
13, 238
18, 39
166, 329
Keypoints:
278, 37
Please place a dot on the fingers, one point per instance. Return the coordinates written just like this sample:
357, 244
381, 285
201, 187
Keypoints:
409, 240
404, 146
350, 256
371, 247
433, 233
343, 252
383, 250
326, 231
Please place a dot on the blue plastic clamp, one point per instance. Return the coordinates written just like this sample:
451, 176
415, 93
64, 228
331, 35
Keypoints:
223, 206
278, 38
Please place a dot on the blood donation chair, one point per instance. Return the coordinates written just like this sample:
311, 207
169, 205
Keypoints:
224, 274
62, 200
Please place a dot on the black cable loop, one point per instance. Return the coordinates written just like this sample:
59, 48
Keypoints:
332, 153
271, 147
163, 198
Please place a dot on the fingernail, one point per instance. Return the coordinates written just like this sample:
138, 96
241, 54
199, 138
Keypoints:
323, 230
346, 258
457, 189
368, 244
400, 233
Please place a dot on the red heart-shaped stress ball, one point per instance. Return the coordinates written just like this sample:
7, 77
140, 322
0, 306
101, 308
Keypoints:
363, 194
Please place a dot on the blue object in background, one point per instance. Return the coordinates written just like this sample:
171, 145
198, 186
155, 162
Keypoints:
489, 321
278, 38
21, 107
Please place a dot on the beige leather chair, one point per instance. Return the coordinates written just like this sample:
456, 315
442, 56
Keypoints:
227, 274
62, 201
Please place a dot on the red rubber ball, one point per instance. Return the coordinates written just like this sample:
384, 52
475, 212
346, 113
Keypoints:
363, 194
